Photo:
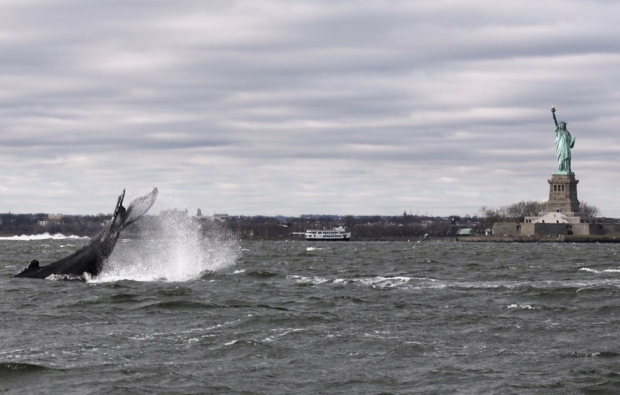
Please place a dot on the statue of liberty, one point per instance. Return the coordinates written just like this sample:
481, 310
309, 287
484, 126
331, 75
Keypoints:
563, 143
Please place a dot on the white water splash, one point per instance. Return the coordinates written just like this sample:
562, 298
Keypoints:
42, 236
175, 248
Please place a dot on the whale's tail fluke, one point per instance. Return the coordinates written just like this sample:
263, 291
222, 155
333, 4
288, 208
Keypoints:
138, 207
122, 217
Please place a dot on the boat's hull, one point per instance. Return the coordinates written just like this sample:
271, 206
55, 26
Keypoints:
343, 238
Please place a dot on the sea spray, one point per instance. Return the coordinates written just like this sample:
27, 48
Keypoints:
172, 247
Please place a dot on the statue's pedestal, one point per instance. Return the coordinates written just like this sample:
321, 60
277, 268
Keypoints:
563, 195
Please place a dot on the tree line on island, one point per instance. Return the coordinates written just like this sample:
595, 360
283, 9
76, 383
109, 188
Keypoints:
517, 212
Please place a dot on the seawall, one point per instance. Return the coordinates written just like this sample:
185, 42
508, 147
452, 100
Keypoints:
541, 239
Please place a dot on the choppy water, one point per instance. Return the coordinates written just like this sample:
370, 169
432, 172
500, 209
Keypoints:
303, 318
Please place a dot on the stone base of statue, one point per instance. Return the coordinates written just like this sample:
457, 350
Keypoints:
563, 194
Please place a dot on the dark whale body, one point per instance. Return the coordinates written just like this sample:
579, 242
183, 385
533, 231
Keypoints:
90, 259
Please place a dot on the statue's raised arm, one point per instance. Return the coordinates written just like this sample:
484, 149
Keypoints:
553, 112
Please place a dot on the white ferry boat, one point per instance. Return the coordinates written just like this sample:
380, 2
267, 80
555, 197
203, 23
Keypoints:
338, 233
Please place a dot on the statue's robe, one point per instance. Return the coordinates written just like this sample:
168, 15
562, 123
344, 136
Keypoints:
563, 143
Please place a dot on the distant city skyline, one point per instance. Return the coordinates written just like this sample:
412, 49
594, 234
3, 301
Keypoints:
283, 108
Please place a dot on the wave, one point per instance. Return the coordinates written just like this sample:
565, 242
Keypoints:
308, 280
378, 282
405, 282
260, 274
42, 236
178, 305
587, 269
598, 354
19, 370
523, 307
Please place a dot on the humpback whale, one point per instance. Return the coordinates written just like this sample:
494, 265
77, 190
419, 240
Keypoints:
90, 259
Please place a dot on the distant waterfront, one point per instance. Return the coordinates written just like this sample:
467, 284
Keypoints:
364, 228
277, 228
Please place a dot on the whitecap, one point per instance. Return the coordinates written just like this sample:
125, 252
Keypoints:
43, 236
522, 307
308, 280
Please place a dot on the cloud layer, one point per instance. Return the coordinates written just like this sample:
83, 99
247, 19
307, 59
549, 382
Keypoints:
292, 107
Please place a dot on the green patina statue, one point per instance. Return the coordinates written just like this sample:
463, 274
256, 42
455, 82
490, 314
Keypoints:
563, 143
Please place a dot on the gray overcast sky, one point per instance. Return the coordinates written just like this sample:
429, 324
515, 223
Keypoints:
297, 107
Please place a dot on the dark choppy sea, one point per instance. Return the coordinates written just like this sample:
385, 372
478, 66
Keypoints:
304, 318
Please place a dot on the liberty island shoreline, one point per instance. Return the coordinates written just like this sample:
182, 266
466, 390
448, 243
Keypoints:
540, 239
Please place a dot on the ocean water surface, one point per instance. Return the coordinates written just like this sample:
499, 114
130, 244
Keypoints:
222, 317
